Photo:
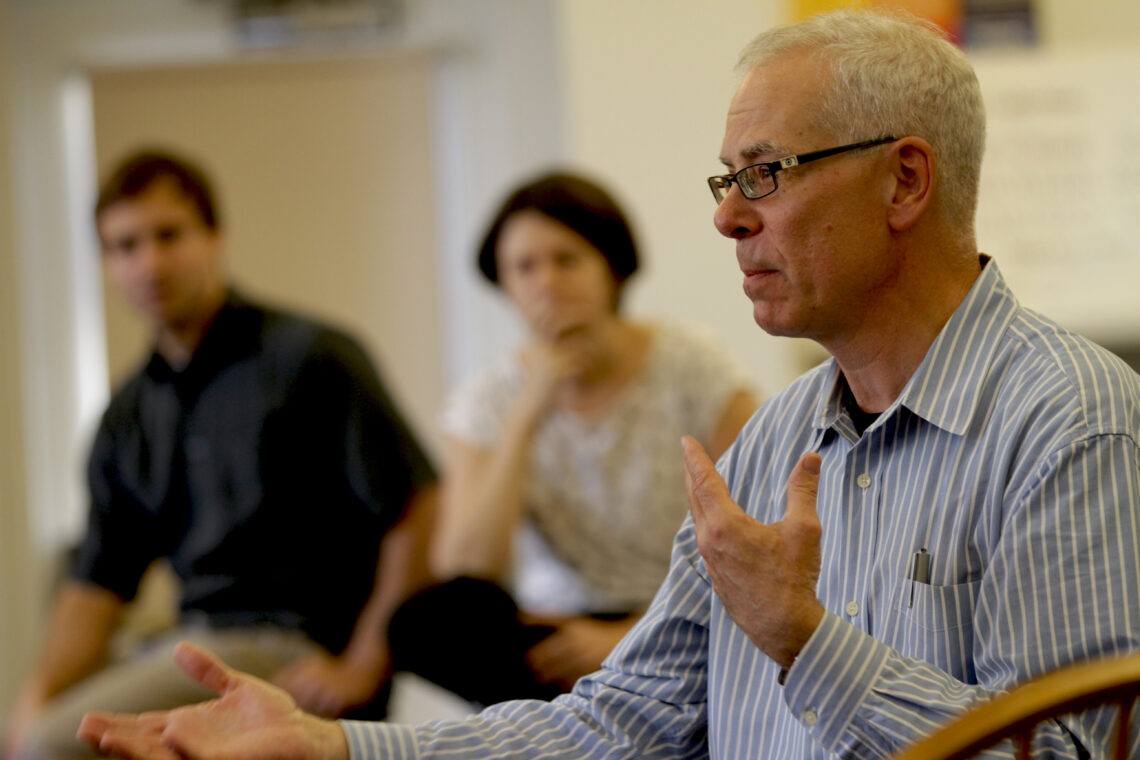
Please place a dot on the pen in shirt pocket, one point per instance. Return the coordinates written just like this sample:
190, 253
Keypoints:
919, 571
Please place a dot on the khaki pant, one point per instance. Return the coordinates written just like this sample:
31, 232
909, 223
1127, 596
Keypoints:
151, 680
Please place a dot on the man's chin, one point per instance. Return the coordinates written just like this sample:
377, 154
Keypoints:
152, 311
776, 325
162, 313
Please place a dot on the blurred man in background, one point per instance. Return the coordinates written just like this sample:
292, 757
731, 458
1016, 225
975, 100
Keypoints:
255, 450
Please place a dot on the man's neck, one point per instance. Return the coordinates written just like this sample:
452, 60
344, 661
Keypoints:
177, 342
879, 362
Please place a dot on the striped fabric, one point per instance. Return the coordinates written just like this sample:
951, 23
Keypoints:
1011, 456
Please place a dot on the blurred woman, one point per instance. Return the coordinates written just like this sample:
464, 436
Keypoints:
563, 484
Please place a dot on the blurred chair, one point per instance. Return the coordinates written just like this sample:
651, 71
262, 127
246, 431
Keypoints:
1072, 689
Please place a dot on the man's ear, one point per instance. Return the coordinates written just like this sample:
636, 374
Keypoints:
913, 171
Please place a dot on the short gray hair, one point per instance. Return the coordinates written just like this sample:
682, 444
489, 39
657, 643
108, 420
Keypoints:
894, 75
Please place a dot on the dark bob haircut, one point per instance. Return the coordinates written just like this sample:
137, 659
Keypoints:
579, 204
141, 171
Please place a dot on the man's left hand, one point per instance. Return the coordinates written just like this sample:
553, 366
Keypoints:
764, 574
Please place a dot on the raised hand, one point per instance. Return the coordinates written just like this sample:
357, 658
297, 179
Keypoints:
550, 364
764, 574
251, 720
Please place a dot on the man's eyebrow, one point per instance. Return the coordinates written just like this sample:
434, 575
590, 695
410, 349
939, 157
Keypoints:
756, 152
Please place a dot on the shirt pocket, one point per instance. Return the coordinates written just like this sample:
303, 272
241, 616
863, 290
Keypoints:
936, 608
938, 627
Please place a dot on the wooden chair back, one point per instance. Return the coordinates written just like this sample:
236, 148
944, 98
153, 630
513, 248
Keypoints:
1015, 715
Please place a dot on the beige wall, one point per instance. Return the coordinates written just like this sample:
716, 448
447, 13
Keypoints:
1089, 24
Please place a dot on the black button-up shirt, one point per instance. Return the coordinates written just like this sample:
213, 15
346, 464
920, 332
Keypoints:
266, 470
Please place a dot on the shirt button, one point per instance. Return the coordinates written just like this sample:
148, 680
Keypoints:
863, 481
811, 717
852, 608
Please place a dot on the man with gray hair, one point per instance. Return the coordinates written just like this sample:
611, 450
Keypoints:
965, 516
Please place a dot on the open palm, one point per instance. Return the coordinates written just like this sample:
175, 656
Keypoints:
250, 720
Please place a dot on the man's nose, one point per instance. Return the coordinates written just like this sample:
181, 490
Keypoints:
151, 257
736, 216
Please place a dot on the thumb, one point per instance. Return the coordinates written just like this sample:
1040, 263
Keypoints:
803, 487
205, 668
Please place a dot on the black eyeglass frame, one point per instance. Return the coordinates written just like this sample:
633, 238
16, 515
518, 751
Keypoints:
723, 182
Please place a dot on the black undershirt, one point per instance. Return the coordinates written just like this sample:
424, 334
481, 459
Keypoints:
859, 418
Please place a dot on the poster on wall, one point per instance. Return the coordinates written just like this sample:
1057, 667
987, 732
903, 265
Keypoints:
973, 24
1059, 206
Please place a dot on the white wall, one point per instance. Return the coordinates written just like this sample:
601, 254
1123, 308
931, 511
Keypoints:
648, 84
1061, 185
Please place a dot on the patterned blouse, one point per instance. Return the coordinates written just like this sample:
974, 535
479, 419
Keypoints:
605, 495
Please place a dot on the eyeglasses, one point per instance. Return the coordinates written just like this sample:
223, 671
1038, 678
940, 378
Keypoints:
759, 180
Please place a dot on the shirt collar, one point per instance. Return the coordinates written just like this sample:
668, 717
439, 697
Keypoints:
830, 408
228, 335
948, 384
945, 388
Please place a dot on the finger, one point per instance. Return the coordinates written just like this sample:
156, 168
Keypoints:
803, 487
124, 735
152, 721
189, 735
92, 727
694, 505
130, 745
705, 486
569, 332
95, 724
205, 668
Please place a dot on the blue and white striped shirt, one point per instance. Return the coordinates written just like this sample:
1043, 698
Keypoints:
1011, 456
